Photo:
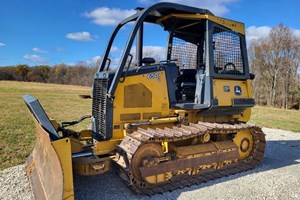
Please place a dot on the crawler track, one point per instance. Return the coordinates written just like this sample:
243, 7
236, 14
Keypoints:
133, 141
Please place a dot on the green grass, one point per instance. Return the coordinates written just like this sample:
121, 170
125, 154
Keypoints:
276, 118
61, 102
17, 131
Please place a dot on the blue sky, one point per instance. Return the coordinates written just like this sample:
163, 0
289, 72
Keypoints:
50, 32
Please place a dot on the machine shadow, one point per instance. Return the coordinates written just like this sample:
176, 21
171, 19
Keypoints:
278, 154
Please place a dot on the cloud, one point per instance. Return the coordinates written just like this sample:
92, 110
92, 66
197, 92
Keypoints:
80, 36
2, 45
35, 58
296, 32
108, 16
114, 49
38, 50
253, 32
156, 52
217, 7
93, 61
145, 1
60, 49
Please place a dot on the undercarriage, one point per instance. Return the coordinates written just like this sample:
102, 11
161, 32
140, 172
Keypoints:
155, 161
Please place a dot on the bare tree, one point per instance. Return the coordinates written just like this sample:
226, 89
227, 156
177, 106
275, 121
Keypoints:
275, 60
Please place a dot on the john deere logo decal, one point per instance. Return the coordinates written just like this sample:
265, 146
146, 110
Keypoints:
237, 90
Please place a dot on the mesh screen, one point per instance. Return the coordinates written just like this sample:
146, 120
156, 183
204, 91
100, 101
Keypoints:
227, 53
185, 53
99, 105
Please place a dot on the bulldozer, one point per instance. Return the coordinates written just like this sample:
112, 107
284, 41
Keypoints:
160, 125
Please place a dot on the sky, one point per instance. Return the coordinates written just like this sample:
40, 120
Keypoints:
36, 32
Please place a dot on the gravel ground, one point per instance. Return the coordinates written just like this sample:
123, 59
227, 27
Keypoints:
14, 184
278, 177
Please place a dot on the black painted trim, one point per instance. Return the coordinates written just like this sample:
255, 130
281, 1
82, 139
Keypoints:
109, 119
143, 70
171, 76
243, 103
190, 106
221, 111
40, 115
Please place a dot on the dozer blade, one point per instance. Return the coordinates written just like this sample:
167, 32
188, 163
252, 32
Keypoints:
49, 167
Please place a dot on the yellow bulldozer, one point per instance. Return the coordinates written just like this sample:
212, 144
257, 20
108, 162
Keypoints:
160, 125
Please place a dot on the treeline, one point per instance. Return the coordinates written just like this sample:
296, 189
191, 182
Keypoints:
275, 60
79, 74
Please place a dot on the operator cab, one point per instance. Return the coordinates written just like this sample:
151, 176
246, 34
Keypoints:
200, 49
203, 50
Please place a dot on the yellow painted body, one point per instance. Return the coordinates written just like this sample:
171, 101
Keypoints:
157, 110
230, 24
158, 107
106, 147
87, 166
128, 107
64, 152
225, 98
159, 101
245, 141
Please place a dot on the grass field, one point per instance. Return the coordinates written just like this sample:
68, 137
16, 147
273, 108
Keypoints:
17, 131
276, 118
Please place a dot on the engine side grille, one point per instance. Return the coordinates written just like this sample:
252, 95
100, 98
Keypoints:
99, 105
